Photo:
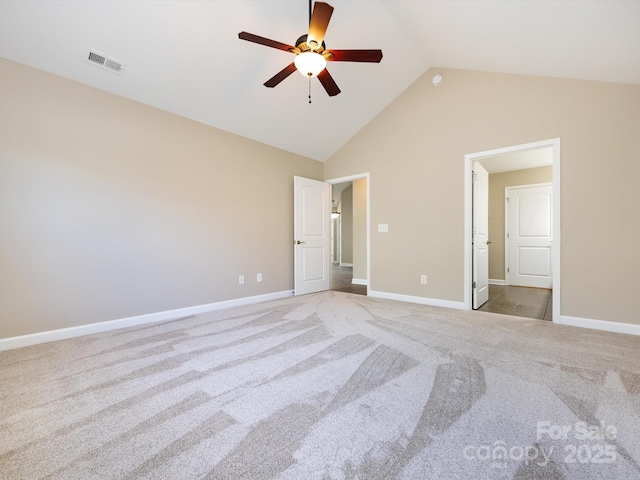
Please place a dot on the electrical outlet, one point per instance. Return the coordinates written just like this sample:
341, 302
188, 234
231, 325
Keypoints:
423, 279
259, 278
241, 279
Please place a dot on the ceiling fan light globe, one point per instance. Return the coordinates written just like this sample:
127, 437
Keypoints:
310, 64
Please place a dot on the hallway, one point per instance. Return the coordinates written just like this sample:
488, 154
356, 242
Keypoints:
341, 281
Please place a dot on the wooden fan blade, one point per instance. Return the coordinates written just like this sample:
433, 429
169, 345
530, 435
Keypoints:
319, 21
280, 76
250, 37
373, 56
328, 83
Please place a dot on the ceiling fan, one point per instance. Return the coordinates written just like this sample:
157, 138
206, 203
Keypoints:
311, 52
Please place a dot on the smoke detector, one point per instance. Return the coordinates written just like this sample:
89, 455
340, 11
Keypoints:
104, 61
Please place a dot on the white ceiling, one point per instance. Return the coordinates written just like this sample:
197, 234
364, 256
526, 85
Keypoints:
185, 56
507, 162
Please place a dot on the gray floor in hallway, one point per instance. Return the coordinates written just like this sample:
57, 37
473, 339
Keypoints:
519, 301
341, 281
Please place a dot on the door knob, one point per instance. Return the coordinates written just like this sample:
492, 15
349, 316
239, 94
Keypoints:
488, 242
298, 242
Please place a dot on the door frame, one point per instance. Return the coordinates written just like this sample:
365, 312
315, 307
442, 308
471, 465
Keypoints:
554, 143
351, 178
506, 225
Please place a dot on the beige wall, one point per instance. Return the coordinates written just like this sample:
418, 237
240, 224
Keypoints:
414, 151
111, 209
360, 229
497, 183
346, 221
335, 230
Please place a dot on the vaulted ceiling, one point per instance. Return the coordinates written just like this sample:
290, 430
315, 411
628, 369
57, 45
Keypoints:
185, 56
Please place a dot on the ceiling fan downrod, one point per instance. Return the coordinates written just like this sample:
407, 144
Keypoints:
310, 14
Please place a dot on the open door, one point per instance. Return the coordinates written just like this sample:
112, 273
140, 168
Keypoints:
480, 235
312, 235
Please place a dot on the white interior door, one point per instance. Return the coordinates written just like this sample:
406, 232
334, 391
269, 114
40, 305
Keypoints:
529, 236
480, 236
312, 235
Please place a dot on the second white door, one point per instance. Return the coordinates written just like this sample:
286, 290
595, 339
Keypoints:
529, 236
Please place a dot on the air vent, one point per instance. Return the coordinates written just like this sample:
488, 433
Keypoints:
104, 61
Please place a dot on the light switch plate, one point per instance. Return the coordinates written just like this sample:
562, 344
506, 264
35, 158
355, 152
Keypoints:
383, 227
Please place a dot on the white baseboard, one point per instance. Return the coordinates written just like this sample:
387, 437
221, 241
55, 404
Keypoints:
81, 330
493, 281
359, 281
434, 302
346, 264
616, 327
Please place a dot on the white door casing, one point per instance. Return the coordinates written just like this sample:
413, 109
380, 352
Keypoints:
480, 234
312, 235
529, 235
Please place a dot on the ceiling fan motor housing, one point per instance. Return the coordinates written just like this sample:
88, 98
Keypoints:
303, 46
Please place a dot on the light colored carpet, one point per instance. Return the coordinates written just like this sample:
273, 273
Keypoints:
325, 386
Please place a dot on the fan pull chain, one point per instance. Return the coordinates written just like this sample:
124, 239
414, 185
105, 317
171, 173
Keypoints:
309, 89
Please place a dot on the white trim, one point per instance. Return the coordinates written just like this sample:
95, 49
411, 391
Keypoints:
493, 281
434, 302
358, 281
556, 248
81, 330
346, 264
351, 178
616, 327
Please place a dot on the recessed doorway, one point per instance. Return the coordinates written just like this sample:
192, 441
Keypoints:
350, 234
511, 254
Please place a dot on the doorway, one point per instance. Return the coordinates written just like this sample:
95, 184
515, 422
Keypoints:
350, 234
513, 167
